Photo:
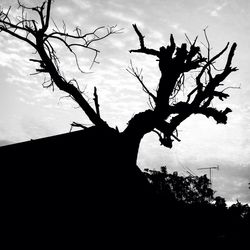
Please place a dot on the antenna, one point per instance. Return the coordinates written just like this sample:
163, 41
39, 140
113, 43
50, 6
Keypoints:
210, 172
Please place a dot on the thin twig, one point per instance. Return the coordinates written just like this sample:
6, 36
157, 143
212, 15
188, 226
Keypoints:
135, 72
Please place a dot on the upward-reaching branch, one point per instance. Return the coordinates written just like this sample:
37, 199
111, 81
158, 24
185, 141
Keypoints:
46, 25
143, 48
97, 106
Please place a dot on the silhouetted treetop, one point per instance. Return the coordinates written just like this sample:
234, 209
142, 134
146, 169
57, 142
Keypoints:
188, 189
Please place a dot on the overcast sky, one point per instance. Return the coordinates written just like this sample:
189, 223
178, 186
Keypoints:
28, 111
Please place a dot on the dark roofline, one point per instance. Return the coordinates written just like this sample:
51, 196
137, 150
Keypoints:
43, 139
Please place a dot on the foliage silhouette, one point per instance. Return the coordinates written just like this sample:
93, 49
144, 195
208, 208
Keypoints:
207, 217
189, 189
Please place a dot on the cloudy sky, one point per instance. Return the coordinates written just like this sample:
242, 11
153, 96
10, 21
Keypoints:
28, 111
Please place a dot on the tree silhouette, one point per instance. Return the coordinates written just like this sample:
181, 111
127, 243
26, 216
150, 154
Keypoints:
107, 191
188, 189
220, 202
175, 62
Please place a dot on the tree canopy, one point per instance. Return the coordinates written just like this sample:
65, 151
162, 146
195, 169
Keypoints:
188, 189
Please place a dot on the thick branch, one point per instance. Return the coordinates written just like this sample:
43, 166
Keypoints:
221, 95
97, 106
143, 48
13, 33
46, 25
141, 37
210, 62
209, 91
68, 87
185, 109
218, 116
230, 56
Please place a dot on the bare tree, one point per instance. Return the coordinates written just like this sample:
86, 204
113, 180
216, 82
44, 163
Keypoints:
166, 112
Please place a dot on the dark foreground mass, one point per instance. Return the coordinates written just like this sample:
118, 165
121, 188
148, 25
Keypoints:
79, 189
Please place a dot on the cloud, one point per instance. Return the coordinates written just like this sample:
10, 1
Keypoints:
121, 17
178, 28
63, 10
23, 100
117, 62
7, 59
15, 56
215, 11
117, 43
82, 4
114, 4
232, 181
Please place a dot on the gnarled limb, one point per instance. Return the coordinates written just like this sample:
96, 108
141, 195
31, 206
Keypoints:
174, 63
